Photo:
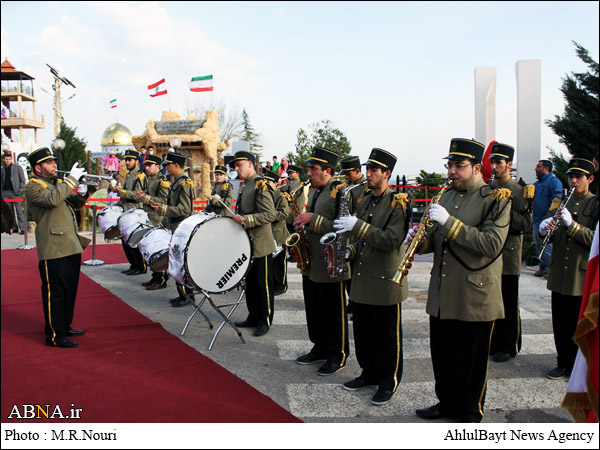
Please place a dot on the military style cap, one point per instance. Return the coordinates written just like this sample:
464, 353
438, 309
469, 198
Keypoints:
176, 158
40, 155
153, 159
381, 158
582, 166
242, 156
131, 154
502, 151
291, 168
270, 175
349, 163
221, 169
465, 149
321, 155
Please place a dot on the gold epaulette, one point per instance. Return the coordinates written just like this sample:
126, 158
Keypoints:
359, 199
40, 182
529, 191
287, 196
261, 184
140, 176
225, 186
501, 193
555, 203
335, 190
189, 182
165, 184
59, 180
400, 200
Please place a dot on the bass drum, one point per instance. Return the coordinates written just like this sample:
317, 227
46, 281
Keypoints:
107, 220
134, 224
209, 253
154, 247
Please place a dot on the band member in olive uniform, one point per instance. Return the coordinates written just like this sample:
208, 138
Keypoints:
179, 206
51, 202
465, 296
324, 297
222, 191
292, 183
506, 337
157, 191
351, 169
378, 230
280, 233
134, 182
572, 241
255, 211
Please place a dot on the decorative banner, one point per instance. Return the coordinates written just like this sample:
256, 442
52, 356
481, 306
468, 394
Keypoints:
113, 103
156, 89
201, 84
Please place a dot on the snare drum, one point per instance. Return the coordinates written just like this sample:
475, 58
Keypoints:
199, 259
154, 247
107, 221
133, 224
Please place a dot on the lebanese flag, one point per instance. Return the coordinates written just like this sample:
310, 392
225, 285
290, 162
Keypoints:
581, 399
113, 103
201, 84
156, 89
487, 164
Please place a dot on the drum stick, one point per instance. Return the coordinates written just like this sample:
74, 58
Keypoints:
227, 207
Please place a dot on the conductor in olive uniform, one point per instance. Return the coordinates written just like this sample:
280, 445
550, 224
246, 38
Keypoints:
280, 233
51, 202
179, 206
324, 297
378, 230
222, 192
134, 182
465, 298
572, 241
157, 191
506, 338
255, 211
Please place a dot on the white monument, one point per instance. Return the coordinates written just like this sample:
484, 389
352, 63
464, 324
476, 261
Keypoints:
529, 117
485, 104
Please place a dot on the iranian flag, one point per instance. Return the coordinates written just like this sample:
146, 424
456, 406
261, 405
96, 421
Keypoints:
201, 84
157, 88
113, 103
581, 399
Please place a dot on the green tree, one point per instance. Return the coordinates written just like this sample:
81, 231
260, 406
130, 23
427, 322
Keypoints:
321, 134
577, 128
74, 150
250, 135
428, 179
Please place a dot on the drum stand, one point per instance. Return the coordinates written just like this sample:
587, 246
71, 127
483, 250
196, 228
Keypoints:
225, 317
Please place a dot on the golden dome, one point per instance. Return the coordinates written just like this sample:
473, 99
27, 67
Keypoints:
117, 134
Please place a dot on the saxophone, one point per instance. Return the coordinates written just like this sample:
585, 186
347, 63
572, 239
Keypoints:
562, 205
424, 225
335, 252
297, 242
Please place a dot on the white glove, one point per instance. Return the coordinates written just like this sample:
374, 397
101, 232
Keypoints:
345, 223
566, 217
410, 235
82, 189
77, 172
216, 198
543, 226
438, 214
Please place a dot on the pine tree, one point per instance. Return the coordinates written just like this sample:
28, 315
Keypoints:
251, 136
74, 150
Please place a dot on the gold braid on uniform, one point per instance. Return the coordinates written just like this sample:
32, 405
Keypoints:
40, 182
146, 199
555, 203
286, 196
165, 183
501, 193
261, 185
400, 200
224, 186
529, 191
335, 190
189, 182
140, 176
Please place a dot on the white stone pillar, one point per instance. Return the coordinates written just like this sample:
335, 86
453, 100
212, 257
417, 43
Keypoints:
485, 104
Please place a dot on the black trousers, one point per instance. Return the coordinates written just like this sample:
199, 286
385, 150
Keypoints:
134, 256
259, 291
565, 315
459, 354
160, 277
507, 332
280, 271
378, 343
326, 319
60, 279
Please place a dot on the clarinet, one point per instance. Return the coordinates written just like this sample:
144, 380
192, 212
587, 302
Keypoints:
562, 205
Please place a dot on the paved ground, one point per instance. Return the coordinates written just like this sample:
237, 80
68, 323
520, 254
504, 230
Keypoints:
518, 391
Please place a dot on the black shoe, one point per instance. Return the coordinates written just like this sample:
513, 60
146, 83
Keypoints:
64, 343
179, 303
309, 358
329, 368
135, 272
147, 283
126, 271
156, 286
261, 330
175, 300
501, 357
279, 292
431, 413
246, 324
557, 373
21, 232
72, 332
357, 384
382, 396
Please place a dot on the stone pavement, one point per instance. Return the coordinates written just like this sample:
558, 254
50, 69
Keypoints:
518, 391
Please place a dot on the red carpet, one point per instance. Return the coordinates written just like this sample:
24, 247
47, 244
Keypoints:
128, 369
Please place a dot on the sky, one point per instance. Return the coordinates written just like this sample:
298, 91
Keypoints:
393, 75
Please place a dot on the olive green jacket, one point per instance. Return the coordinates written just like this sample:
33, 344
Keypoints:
289, 187
180, 204
473, 235
571, 246
280, 231
255, 204
377, 249
157, 191
135, 182
358, 192
225, 191
50, 203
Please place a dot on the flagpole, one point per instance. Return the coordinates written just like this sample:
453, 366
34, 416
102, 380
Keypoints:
168, 101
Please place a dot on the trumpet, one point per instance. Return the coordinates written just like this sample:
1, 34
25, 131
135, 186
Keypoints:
562, 206
89, 179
